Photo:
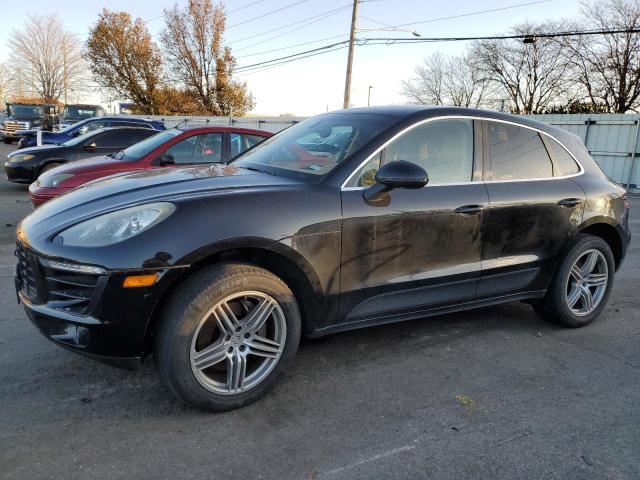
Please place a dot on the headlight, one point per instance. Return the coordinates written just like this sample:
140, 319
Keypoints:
53, 180
116, 226
27, 125
20, 158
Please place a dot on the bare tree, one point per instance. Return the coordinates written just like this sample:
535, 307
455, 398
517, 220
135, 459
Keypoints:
47, 57
4, 83
444, 80
608, 66
195, 52
532, 73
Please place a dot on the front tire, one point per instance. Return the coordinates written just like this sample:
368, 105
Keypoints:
226, 335
581, 285
7, 141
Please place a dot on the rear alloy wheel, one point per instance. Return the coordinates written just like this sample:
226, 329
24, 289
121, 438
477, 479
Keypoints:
225, 336
581, 285
587, 282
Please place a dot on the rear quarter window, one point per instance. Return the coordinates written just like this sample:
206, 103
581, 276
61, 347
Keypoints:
563, 162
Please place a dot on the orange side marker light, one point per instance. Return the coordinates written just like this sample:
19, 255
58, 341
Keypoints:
135, 281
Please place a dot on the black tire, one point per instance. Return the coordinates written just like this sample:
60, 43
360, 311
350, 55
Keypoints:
554, 306
49, 166
7, 141
185, 310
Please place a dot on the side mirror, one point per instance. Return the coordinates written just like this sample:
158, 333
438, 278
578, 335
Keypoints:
399, 174
91, 147
166, 159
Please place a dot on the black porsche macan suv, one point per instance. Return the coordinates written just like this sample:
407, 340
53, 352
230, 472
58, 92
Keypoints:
342, 221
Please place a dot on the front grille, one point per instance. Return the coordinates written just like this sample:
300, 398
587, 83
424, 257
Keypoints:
60, 289
12, 125
27, 269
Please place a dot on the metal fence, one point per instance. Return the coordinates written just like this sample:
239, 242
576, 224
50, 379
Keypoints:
270, 124
612, 140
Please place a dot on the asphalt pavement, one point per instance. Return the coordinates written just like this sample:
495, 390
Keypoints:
494, 393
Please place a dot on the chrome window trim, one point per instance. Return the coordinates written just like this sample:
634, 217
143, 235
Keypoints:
466, 117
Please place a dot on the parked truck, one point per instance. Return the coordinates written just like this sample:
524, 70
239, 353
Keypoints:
76, 112
27, 116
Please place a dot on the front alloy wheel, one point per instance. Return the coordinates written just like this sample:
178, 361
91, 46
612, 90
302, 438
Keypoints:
225, 335
238, 342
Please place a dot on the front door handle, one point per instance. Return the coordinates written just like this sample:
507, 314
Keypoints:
469, 209
570, 202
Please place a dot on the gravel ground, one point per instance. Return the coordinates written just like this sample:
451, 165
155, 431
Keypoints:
491, 393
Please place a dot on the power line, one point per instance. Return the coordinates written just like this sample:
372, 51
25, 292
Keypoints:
268, 67
335, 10
245, 6
392, 41
292, 30
292, 46
268, 13
468, 14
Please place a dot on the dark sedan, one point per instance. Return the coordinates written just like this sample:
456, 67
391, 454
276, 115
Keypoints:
24, 166
345, 220
29, 138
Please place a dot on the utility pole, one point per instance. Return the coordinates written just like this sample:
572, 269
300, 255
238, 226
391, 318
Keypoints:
369, 96
352, 38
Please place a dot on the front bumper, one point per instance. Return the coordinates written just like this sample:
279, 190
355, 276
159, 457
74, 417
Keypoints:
110, 326
40, 195
19, 173
9, 134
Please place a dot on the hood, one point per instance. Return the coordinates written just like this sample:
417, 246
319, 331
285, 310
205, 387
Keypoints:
144, 186
91, 164
39, 151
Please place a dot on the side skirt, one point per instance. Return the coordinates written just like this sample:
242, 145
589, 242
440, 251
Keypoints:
424, 313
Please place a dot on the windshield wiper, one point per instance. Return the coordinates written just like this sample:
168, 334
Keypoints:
118, 156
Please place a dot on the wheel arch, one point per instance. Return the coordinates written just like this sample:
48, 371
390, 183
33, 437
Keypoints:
275, 257
48, 162
605, 228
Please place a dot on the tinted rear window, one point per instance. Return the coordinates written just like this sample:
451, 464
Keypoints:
517, 153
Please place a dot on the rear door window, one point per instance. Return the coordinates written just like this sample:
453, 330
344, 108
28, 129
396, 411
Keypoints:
204, 148
517, 153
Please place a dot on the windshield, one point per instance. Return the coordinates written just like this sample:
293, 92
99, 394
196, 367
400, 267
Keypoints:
25, 110
140, 149
82, 112
315, 146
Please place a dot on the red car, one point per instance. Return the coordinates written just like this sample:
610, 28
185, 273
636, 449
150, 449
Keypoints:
176, 147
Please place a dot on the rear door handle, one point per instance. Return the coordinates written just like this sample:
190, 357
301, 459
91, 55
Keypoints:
469, 209
570, 202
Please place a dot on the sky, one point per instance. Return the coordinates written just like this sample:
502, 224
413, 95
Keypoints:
316, 84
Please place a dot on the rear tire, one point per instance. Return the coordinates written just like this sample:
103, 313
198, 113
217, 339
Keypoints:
581, 286
225, 336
